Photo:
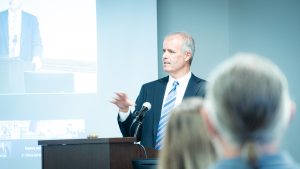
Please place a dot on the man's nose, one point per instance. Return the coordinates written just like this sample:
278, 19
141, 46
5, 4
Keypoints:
165, 55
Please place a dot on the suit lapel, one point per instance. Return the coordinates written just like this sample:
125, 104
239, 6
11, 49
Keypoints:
5, 28
192, 87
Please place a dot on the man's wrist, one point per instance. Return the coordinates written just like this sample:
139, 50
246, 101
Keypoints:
123, 115
124, 110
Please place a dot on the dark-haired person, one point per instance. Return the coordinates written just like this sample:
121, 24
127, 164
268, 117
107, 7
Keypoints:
249, 109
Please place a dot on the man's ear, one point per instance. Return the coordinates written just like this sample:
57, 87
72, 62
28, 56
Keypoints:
188, 56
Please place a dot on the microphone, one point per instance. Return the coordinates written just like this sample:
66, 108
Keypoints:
140, 114
139, 118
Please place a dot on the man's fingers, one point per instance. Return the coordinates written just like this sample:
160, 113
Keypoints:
121, 94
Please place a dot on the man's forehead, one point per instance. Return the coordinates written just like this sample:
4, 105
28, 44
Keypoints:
172, 42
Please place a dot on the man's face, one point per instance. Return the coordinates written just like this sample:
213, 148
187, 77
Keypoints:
174, 59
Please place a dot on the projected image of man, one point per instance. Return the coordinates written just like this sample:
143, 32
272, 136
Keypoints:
20, 35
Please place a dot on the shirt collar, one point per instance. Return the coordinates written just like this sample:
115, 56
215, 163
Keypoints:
181, 80
17, 12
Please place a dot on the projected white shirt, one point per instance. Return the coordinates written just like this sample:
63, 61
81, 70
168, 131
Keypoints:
14, 28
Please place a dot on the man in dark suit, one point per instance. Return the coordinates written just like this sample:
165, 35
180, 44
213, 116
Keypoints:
178, 53
19, 34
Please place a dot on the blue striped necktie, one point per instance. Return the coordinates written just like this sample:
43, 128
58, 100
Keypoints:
168, 105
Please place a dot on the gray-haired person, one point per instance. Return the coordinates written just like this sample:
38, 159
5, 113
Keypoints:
249, 109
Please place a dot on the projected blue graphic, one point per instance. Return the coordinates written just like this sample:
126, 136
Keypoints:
18, 137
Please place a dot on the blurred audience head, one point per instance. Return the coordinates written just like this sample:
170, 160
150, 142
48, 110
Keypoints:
248, 105
187, 144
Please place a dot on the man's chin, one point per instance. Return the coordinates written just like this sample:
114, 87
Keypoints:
167, 70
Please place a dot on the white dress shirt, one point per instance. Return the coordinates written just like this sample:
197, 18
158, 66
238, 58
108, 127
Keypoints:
180, 89
14, 32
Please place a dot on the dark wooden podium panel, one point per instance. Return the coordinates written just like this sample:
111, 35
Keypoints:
102, 153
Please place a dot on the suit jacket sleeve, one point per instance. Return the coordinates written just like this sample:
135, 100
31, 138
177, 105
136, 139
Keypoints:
126, 127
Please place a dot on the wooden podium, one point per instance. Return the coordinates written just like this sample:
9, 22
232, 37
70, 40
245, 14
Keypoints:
100, 153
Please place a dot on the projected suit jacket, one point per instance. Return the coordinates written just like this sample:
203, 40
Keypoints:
153, 92
30, 41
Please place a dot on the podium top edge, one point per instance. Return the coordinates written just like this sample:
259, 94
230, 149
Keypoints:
87, 141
